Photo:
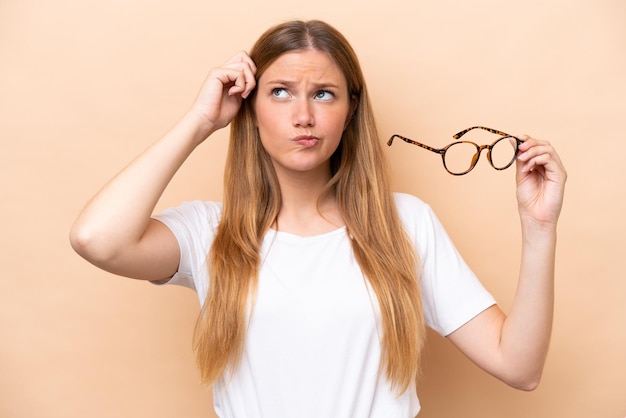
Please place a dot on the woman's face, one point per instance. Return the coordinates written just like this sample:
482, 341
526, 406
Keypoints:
302, 106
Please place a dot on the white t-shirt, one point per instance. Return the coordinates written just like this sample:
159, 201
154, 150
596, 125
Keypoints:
312, 347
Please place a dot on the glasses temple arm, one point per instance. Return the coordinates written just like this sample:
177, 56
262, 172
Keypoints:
419, 144
493, 131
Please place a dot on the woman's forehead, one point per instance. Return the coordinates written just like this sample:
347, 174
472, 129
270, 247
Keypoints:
311, 64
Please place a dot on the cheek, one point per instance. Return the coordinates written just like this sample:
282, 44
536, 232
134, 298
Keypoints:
265, 117
268, 127
259, 112
267, 124
340, 121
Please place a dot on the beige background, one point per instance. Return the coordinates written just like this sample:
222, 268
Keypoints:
86, 85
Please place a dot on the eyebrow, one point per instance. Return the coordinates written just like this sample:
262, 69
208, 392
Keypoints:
288, 83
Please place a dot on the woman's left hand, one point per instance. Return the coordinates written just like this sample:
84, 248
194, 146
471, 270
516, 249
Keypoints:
540, 183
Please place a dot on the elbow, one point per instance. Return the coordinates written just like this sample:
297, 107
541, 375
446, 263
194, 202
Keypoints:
526, 382
81, 241
528, 386
76, 236
88, 245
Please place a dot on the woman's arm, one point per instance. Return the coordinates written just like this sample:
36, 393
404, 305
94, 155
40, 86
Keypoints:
115, 231
513, 348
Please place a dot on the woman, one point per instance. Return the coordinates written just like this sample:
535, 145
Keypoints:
316, 281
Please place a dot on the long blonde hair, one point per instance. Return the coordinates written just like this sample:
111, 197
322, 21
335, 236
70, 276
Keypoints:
360, 181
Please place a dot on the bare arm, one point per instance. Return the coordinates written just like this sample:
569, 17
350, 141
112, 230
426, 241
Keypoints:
514, 347
114, 231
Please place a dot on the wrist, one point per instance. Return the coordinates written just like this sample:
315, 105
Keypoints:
196, 126
535, 232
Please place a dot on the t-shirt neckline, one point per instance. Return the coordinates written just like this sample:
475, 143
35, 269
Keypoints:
283, 235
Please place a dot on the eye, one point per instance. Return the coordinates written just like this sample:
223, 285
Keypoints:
280, 93
324, 95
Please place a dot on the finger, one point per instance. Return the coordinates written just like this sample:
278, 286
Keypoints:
227, 76
542, 157
242, 57
242, 61
245, 80
533, 152
243, 84
529, 142
532, 147
249, 81
538, 161
239, 84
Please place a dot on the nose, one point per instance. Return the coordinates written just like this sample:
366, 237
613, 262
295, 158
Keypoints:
303, 113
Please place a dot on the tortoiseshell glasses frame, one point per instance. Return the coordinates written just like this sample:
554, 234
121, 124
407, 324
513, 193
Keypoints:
512, 140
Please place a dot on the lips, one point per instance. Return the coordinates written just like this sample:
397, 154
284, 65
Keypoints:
306, 141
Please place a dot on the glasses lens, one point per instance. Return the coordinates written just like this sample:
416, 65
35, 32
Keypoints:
459, 157
503, 152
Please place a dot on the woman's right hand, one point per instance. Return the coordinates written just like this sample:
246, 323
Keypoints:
223, 90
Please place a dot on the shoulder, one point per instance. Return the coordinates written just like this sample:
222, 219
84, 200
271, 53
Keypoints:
192, 218
410, 207
419, 220
194, 210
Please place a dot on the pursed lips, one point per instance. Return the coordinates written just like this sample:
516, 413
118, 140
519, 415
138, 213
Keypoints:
306, 141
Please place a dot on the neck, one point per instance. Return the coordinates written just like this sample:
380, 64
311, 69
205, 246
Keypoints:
306, 209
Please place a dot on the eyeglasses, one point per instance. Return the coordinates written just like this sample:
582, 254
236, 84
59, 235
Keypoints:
460, 157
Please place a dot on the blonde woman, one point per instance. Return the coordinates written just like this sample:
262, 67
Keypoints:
316, 281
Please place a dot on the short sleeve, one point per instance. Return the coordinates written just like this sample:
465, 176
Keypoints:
194, 224
452, 295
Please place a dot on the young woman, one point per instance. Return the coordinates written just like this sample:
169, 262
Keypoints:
316, 281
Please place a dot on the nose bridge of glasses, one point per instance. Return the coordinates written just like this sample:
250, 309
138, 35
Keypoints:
479, 150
